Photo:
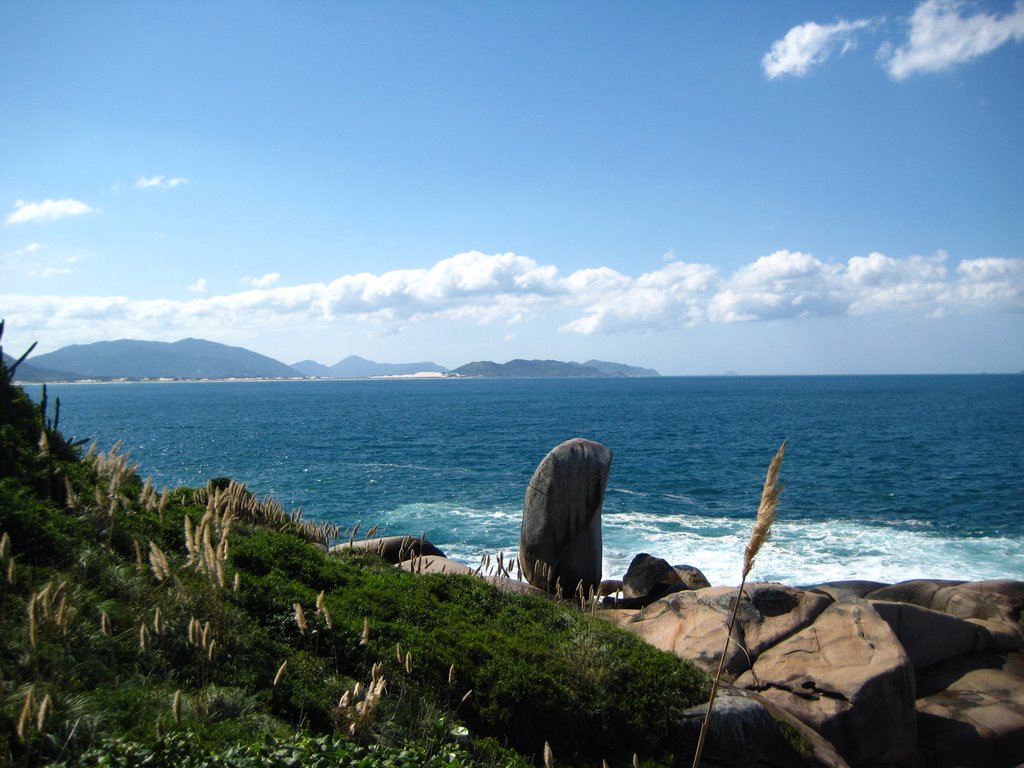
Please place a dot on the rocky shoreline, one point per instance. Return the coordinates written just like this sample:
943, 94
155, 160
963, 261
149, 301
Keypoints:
918, 674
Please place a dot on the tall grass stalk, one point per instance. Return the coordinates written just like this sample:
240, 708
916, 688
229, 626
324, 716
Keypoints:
758, 536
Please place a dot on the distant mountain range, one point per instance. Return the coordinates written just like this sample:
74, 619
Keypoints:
185, 359
355, 367
28, 372
524, 369
191, 359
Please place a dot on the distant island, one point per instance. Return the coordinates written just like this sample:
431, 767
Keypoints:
202, 360
528, 369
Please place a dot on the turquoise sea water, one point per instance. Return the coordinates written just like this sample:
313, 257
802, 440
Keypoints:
887, 477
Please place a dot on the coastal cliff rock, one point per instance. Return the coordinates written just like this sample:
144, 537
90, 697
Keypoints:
560, 539
923, 673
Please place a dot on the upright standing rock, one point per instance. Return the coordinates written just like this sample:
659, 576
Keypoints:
560, 541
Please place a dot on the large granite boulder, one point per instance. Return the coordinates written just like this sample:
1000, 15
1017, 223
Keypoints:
847, 676
971, 711
560, 540
692, 624
837, 590
650, 578
748, 731
997, 605
930, 636
692, 576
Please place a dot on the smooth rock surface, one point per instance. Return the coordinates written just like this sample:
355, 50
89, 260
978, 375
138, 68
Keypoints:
847, 677
928, 636
837, 590
692, 624
560, 539
971, 711
692, 576
997, 604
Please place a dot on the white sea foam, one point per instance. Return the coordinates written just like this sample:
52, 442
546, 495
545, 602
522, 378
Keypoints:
813, 552
798, 552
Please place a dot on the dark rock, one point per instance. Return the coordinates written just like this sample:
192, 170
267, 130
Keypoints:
394, 549
650, 577
560, 540
747, 730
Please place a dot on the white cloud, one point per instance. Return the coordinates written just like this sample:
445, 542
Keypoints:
941, 38
782, 285
808, 45
673, 295
878, 283
199, 286
47, 210
508, 289
269, 279
159, 182
997, 283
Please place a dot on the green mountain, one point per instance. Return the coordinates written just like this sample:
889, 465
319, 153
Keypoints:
185, 359
27, 372
201, 359
620, 369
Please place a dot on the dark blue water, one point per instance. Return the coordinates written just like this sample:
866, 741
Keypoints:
885, 477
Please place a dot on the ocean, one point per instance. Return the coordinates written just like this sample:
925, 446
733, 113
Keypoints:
885, 477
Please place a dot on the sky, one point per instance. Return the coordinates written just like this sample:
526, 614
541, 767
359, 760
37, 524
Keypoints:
699, 187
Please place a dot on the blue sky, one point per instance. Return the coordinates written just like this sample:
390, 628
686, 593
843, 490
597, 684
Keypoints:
804, 188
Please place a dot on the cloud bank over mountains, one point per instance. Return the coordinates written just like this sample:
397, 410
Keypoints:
938, 37
507, 288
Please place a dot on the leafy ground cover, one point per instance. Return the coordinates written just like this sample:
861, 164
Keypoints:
206, 627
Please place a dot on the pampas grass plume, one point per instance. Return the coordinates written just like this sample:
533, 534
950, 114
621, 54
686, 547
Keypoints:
758, 536
765, 511
280, 672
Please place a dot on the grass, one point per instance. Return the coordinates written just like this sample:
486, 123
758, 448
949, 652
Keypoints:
206, 627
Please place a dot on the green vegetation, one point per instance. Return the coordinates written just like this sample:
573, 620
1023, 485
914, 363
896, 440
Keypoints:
206, 627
